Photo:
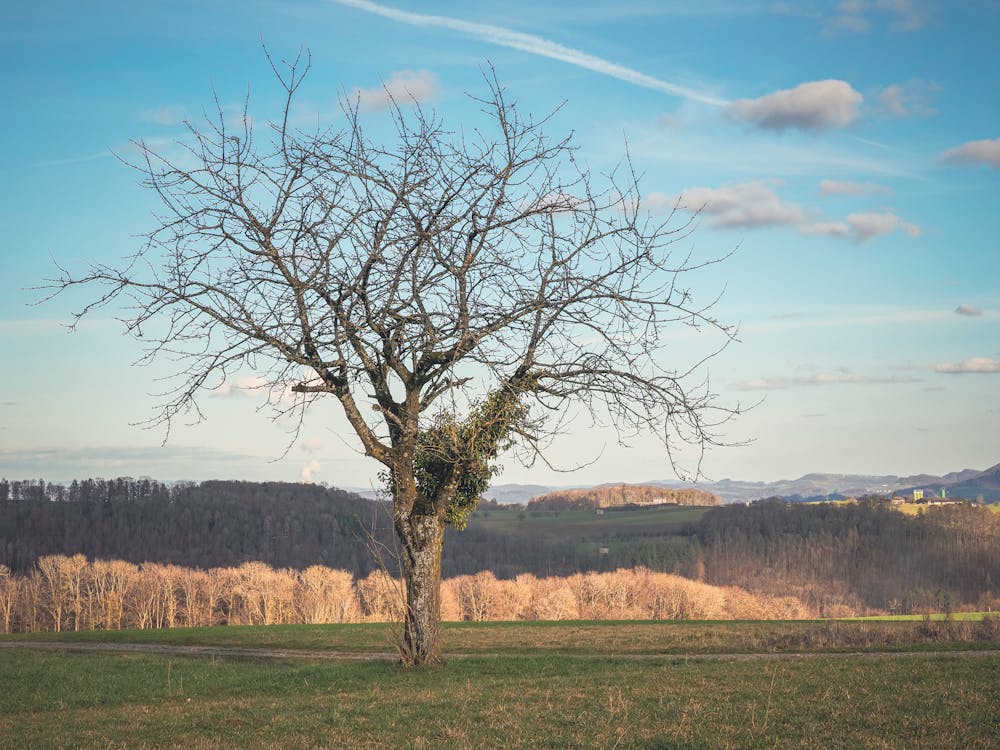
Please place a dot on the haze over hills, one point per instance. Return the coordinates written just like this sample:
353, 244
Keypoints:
967, 483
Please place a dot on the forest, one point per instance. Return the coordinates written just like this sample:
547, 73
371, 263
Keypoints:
70, 592
835, 559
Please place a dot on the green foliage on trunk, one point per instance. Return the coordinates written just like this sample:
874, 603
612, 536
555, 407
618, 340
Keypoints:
466, 451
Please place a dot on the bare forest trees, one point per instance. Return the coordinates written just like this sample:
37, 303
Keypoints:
457, 291
116, 595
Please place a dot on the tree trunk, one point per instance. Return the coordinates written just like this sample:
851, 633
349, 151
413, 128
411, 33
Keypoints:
421, 537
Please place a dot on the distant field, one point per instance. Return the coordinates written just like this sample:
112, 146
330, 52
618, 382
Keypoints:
545, 685
667, 519
651, 537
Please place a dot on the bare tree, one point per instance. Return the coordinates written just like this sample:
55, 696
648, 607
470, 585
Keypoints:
458, 292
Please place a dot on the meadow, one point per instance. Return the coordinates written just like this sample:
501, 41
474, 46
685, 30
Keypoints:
876, 684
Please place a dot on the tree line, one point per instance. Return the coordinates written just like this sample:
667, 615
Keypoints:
207, 524
837, 559
228, 523
845, 558
70, 592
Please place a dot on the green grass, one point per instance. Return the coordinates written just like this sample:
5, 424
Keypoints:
653, 537
656, 520
54, 700
582, 637
936, 617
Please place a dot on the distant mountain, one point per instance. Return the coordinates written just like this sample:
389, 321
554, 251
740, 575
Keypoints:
515, 493
967, 483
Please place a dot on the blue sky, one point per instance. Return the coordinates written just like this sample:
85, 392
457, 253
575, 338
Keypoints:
850, 150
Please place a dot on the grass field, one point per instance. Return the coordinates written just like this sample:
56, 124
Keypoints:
670, 637
519, 685
644, 536
654, 520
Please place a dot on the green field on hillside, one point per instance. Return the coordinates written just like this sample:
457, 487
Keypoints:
659, 519
519, 686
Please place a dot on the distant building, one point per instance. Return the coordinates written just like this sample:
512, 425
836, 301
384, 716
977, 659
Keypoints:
918, 495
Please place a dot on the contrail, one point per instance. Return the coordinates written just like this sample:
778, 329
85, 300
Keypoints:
536, 45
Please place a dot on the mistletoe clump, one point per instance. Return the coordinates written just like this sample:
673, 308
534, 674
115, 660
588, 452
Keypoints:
462, 454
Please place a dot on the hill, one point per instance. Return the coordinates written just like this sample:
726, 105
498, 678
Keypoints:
211, 524
967, 484
837, 558
620, 496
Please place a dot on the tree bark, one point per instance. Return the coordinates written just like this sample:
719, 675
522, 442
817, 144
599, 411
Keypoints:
421, 537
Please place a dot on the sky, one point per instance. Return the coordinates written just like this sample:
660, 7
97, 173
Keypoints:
848, 151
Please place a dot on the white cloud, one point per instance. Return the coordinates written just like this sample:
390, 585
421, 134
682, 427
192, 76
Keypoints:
534, 45
985, 151
120, 460
310, 445
971, 365
855, 16
74, 159
169, 115
309, 472
817, 105
403, 87
744, 205
865, 226
850, 18
910, 98
838, 229
906, 15
245, 385
840, 377
861, 227
751, 205
838, 187
968, 310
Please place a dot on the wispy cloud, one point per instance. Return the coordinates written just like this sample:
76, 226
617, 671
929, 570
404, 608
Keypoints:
985, 152
743, 205
310, 445
860, 318
75, 159
856, 16
167, 115
913, 97
977, 365
535, 45
52, 326
403, 87
110, 460
751, 205
968, 310
244, 385
861, 227
839, 187
842, 377
816, 105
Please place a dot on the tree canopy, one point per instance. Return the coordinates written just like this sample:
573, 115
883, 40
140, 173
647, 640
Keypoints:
458, 291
